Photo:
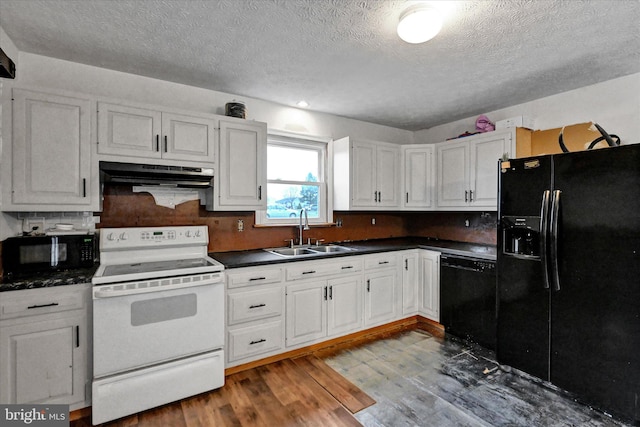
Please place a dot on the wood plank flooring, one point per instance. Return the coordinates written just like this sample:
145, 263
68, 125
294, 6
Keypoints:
279, 394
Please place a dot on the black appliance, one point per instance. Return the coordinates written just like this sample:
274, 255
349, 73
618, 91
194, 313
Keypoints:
141, 174
26, 255
7, 66
569, 273
468, 298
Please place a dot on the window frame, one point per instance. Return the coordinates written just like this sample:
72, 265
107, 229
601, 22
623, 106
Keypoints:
325, 173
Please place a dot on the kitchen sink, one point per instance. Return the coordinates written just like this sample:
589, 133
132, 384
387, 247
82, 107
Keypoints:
308, 250
330, 249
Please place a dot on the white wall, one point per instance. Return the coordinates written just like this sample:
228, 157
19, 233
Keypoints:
45, 72
613, 104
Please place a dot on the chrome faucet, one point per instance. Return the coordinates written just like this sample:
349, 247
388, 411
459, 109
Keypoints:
306, 225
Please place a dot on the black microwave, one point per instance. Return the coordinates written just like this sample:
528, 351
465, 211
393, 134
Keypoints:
36, 254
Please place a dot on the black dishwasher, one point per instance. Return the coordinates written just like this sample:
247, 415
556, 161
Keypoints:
468, 298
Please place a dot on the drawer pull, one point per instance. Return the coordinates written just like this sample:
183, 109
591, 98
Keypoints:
346, 267
309, 272
256, 278
53, 304
257, 341
383, 262
258, 305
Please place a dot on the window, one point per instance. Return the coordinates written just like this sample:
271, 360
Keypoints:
296, 180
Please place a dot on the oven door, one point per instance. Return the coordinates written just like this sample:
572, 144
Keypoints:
137, 328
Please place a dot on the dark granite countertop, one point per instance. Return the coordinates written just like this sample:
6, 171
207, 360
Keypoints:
49, 279
237, 259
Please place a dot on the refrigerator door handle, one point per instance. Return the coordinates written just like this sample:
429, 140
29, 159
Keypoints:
544, 232
555, 213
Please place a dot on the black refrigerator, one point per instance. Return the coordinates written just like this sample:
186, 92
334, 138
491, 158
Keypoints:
569, 273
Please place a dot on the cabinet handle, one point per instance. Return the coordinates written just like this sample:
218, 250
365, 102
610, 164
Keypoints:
375, 196
77, 336
53, 304
325, 293
84, 187
406, 264
379, 196
256, 278
166, 145
383, 262
368, 285
309, 272
260, 192
465, 196
471, 195
345, 267
330, 292
257, 305
407, 197
257, 341
157, 142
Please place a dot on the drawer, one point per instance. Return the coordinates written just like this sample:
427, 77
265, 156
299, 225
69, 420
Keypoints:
255, 340
342, 265
254, 305
253, 276
34, 302
385, 260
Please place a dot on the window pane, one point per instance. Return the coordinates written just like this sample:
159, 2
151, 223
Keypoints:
286, 200
292, 164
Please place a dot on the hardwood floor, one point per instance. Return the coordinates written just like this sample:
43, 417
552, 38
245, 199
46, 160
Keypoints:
279, 394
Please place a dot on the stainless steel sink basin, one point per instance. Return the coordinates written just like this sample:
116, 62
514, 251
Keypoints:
330, 249
308, 250
291, 251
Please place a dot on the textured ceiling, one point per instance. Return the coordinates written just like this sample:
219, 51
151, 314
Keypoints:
343, 56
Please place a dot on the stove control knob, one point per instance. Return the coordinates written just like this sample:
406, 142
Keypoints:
188, 233
124, 236
198, 233
111, 236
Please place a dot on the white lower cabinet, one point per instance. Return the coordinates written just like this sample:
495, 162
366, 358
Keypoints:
254, 314
271, 309
44, 346
410, 281
429, 291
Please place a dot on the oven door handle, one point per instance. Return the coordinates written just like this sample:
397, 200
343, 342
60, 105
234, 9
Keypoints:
139, 288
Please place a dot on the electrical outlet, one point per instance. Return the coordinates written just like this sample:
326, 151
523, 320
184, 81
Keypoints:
240, 225
373, 221
466, 222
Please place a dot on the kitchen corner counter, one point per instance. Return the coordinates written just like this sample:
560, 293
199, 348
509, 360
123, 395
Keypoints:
252, 258
47, 280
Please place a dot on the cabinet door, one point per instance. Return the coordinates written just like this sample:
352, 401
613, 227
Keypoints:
410, 283
344, 305
430, 290
388, 176
418, 177
380, 297
306, 312
241, 179
129, 131
187, 138
453, 174
51, 150
363, 163
43, 362
484, 170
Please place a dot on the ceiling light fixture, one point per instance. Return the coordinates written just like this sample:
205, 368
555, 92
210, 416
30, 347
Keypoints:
302, 104
419, 24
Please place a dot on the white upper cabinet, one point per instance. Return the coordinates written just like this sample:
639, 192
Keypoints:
51, 167
468, 170
241, 175
128, 131
366, 175
419, 177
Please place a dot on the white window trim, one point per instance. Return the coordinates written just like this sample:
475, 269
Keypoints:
326, 171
